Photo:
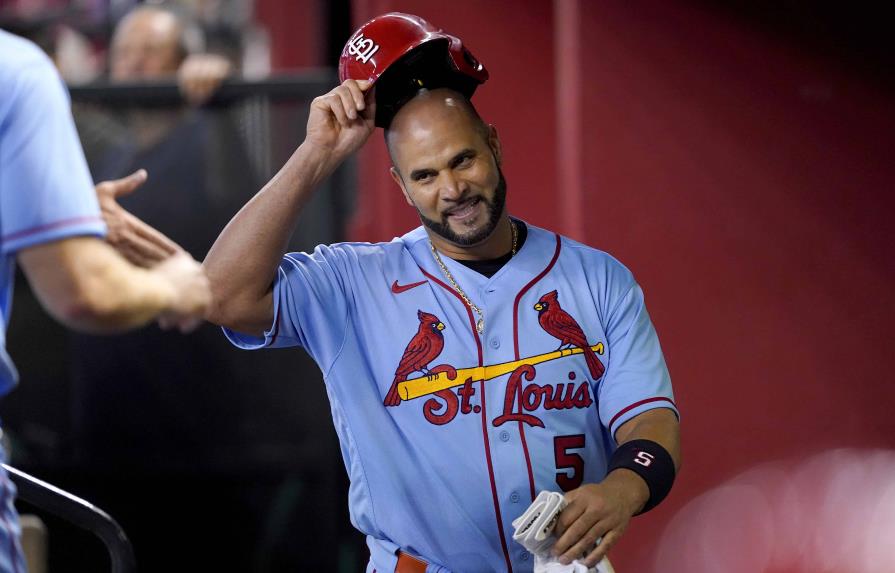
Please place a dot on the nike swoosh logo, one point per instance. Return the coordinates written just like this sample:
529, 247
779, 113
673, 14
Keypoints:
398, 289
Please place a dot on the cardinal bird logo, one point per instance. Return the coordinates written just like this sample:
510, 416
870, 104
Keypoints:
423, 348
560, 324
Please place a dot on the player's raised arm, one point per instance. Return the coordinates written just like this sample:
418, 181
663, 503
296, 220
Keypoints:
242, 263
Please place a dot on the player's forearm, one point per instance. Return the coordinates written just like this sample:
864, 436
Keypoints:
629, 489
85, 285
659, 425
242, 263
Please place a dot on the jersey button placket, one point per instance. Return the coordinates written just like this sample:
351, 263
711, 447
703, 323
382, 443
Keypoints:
506, 451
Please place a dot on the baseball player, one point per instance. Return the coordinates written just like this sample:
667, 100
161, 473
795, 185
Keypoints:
471, 363
50, 225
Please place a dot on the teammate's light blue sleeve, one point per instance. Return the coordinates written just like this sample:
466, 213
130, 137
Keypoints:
636, 378
310, 306
46, 192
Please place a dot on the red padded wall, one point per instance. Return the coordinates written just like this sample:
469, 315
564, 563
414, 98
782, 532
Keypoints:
297, 32
749, 187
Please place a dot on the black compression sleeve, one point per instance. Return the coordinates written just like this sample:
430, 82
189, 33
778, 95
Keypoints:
652, 462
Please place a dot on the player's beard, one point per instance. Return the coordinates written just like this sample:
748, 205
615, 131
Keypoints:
494, 208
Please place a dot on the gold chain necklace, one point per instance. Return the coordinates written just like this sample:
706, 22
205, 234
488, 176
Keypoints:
480, 323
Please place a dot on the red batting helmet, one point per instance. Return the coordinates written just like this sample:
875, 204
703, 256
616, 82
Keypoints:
402, 53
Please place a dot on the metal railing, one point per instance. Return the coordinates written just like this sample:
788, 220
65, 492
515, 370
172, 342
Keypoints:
255, 107
306, 84
80, 513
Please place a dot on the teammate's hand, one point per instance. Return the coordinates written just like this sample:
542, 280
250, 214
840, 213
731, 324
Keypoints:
132, 238
200, 75
598, 510
342, 120
192, 292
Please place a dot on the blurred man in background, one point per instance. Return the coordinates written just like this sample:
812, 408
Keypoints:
200, 166
152, 44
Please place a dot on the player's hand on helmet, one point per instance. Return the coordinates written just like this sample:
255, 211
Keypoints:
132, 238
192, 292
595, 511
342, 120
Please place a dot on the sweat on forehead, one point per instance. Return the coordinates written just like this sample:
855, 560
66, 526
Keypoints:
428, 105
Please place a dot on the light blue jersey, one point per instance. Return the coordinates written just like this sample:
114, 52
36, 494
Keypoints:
46, 192
477, 424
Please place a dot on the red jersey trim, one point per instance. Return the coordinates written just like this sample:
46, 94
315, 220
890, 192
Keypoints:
525, 289
50, 226
640, 403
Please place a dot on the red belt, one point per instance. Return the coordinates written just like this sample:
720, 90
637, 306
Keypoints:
407, 563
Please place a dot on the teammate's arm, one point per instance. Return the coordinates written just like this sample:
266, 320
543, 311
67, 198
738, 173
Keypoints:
136, 241
605, 509
86, 285
242, 264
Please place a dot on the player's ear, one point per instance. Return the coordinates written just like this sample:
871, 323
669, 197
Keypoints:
396, 176
494, 143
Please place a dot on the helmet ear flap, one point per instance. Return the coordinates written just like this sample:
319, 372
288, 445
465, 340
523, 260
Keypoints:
465, 63
470, 59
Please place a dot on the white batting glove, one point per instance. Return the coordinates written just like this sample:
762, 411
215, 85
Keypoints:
535, 526
534, 531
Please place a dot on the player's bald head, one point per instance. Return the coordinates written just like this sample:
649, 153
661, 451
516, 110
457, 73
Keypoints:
422, 113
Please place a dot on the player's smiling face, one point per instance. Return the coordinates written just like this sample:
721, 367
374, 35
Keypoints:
446, 162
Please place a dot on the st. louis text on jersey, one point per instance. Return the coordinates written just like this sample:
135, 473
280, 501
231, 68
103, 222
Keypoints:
524, 394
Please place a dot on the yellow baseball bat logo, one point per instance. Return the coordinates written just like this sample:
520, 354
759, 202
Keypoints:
423, 385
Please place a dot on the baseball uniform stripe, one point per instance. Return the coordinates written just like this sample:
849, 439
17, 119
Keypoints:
525, 289
503, 541
466, 306
50, 227
641, 403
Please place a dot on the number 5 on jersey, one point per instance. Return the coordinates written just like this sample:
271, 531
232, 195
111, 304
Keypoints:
566, 460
